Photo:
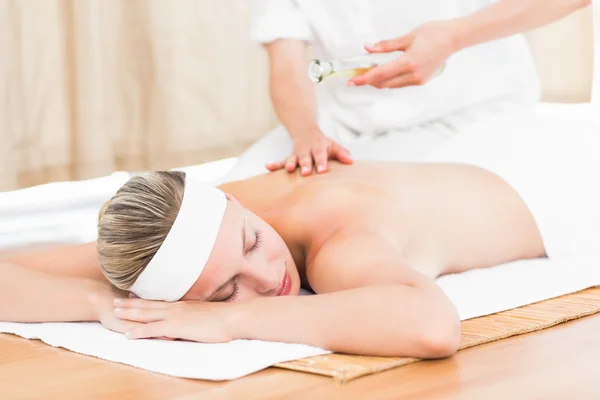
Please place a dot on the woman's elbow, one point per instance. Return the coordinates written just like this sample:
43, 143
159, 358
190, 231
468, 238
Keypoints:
442, 329
441, 332
435, 331
442, 338
432, 340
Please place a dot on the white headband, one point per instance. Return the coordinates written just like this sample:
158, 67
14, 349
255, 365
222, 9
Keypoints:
183, 255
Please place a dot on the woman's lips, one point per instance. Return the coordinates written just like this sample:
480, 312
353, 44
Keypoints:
286, 285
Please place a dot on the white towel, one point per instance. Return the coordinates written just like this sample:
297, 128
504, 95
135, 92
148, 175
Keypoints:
67, 212
554, 166
56, 212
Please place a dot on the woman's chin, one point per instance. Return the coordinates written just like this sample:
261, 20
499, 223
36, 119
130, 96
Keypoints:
296, 284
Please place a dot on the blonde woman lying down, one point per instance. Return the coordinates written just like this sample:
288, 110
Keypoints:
213, 265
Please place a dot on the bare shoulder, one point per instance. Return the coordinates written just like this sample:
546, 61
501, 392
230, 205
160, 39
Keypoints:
75, 260
324, 199
351, 259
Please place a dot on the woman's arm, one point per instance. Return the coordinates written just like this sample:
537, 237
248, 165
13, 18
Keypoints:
369, 302
391, 320
370, 305
386, 320
57, 284
63, 284
76, 261
29, 295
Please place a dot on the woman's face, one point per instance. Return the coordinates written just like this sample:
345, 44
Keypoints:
249, 259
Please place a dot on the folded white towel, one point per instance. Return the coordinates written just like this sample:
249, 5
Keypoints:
55, 212
67, 212
182, 359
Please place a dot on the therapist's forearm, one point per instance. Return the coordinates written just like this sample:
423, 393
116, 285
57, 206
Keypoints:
292, 93
27, 295
508, 17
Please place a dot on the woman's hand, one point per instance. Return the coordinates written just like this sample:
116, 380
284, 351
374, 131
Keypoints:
314, 148
426, 49
102, 300
195, 321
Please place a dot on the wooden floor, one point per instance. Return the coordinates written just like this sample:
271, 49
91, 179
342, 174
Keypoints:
558, 363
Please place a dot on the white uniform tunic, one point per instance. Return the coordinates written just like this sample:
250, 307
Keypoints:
392, 124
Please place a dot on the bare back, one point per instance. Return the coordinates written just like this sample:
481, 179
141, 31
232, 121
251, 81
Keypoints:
438, 218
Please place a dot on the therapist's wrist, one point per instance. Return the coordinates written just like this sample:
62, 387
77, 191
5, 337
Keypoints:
303, 134
460, 31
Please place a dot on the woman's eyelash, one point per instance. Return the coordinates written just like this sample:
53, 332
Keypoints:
233, 294
256, 245
258, 241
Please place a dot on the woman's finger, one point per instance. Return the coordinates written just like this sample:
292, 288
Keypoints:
140, 303
140, 314
122, 326
147, 331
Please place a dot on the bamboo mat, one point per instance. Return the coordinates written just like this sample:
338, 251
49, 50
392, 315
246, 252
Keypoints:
476, 331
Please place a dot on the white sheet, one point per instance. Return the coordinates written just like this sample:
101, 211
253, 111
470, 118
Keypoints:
50, 212
68, 211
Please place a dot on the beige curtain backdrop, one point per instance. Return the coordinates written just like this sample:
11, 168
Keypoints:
88, 87
92, 86
564, 54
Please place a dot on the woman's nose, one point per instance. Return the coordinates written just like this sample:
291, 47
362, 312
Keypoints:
268, 277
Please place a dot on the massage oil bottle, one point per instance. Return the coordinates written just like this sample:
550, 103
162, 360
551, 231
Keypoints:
353, 66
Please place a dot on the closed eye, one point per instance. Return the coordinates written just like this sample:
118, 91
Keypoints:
234, 293
257, 241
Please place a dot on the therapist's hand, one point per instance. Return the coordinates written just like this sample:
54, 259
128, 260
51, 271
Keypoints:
426, 49
313, 149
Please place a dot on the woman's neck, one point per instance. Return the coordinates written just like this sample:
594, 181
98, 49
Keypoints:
262, 194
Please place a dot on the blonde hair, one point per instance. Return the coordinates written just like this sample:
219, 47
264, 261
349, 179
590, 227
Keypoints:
135, 222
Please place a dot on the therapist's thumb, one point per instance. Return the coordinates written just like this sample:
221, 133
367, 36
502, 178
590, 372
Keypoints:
384, 46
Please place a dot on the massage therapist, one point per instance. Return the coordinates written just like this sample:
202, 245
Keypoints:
489, 71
